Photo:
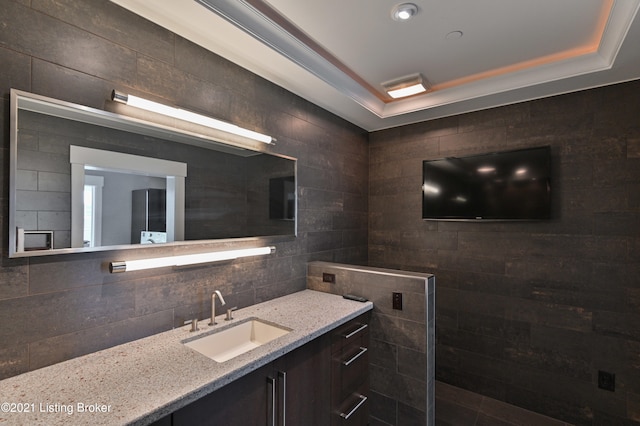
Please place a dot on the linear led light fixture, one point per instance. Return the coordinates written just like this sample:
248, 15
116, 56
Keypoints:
187, 259
192, 117
406, 86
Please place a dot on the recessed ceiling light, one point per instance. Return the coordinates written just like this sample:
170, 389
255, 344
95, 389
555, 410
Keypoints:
404, 12
406, 86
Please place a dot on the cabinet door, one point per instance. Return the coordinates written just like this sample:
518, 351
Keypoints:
244, 402
304, 378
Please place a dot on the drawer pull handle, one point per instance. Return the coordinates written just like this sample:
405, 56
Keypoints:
363, 399
283, 404
271, 415
354, 332
356, 356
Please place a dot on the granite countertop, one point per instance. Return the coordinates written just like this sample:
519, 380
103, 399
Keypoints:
144, 380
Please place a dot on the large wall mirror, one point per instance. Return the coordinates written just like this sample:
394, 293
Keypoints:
83, 179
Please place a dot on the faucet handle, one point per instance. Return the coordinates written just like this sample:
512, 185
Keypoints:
229, 311
194, 324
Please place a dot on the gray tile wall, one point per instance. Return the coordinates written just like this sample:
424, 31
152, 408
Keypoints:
402, 360
528, 313
58, 307
455, 406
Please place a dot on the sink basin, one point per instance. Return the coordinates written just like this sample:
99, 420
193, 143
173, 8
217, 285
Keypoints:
223, 345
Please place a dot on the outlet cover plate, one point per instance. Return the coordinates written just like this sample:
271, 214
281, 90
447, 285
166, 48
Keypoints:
328, 278
607, 381
397, 300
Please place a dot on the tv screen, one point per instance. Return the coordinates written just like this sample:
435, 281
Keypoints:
511, 185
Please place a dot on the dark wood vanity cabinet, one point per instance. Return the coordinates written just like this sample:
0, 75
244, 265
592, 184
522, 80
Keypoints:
242, 402
324, 382
305, 395
292, 390
350, 373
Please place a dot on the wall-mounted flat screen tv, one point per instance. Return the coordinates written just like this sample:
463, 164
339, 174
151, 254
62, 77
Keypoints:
511, 185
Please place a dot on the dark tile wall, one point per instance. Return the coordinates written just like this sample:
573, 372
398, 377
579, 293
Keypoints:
527, 313
458, 407
402, 357
57, 307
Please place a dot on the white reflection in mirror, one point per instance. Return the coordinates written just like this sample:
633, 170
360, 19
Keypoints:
93, 210
140, 194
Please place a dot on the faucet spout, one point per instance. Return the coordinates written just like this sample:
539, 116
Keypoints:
213, 305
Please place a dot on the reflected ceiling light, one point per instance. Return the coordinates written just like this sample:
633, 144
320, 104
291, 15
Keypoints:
192, 117
406, 86
521, 171
403, 12
430, 189
188, 259
486, 169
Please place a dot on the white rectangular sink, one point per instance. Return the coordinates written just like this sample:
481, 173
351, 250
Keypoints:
223, 345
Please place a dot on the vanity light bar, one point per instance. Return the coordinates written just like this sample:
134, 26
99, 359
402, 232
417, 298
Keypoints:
192, 117
188, 259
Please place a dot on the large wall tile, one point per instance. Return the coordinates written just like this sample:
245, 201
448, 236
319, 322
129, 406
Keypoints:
111, 22
60, 348
41, 36
16, 72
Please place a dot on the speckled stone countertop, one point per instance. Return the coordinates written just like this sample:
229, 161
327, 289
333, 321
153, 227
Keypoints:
144, 380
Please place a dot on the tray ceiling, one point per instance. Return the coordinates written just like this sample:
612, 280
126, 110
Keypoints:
475, 55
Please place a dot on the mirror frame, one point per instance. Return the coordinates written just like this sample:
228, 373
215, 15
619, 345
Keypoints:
148, 124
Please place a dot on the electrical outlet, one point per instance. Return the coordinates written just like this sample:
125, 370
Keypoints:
328, 278
397, 301
607, 381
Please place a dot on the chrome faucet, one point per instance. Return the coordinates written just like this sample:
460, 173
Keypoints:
213, 305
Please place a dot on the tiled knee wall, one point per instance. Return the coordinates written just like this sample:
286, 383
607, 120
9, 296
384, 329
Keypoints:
402, 353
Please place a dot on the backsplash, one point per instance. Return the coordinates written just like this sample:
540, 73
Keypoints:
55, 308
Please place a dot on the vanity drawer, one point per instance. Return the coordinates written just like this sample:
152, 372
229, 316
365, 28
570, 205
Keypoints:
350, 372
354, 332
354, 411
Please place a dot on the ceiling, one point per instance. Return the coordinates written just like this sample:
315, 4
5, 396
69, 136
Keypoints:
475, 54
